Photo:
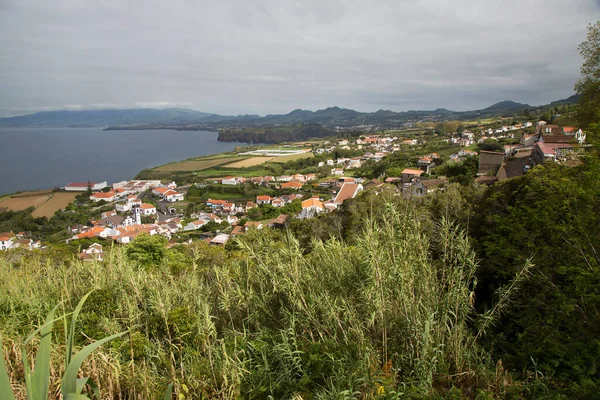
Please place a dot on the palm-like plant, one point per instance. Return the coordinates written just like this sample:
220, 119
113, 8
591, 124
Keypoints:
37, 380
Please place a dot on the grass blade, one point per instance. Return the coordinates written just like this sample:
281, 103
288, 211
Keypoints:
69, 379
71, 339
169, 392
76, 396
41, 373
5, 387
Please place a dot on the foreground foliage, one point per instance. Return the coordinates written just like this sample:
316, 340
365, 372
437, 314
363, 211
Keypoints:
386, 316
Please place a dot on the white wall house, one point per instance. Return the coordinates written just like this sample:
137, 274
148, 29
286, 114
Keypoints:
5, 242
83, 186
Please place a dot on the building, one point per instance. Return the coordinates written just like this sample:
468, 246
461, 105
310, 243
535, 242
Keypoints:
137, 186
425, 163
167, 194
84, 186
291, 185
229, 180
6, 240
348, 191
147, 209
424, 187
311, 208
409, 173
92, 253
263, 200
220, 240
106, 196
490, 161
194, 225
543, 152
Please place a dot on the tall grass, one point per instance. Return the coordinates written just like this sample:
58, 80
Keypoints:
388, 316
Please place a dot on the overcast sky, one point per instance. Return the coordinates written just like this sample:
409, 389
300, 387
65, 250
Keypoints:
273, 56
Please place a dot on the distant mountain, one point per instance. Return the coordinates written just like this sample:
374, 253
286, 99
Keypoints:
508, 105
569, 100
329, 118
101, 118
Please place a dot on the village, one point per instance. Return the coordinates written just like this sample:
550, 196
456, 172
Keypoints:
151, 206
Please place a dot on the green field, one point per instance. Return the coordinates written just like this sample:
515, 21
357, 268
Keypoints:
284, 159
221, 172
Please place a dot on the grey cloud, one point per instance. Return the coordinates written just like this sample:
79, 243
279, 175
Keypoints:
269, 56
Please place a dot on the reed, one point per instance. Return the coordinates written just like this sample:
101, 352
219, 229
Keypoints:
387, 316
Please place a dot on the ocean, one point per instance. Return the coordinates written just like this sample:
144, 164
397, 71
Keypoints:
44, 158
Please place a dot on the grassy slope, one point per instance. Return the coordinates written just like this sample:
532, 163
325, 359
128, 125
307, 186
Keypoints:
266, 320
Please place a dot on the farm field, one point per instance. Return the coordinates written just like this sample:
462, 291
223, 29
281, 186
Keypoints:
25, 200
249, 162
46, 202
291, 157
199, 164
57, 201
220, 172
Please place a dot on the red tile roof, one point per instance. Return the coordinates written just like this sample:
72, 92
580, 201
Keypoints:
348, 191
294, 185
410, 171
312, 203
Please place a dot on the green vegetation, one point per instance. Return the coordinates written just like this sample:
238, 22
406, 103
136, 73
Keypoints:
471, 292
37, 380
373, 317
275, 134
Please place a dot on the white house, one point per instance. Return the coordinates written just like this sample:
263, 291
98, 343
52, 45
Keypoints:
83, 186
220, 239
169, 195
229, 180
311, 208
147, 209
108, 196
94, 252
194, 225
263, 200
337, 171
6, 240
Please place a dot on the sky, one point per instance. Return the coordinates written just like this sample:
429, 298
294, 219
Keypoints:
272, 56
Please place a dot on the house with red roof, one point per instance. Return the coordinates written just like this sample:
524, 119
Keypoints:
291, 185
409, 173
147, 209
106, 196
6, 240
311, 208
263, 200
167, 194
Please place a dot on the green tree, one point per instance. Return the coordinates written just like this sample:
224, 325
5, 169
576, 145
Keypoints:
148, 251
588, 86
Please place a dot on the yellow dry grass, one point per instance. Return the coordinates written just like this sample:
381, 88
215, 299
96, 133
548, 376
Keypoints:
249, 162
58, 201
17, 203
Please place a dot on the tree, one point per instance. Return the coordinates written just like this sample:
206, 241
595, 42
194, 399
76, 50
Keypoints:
589, 85
147, 250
